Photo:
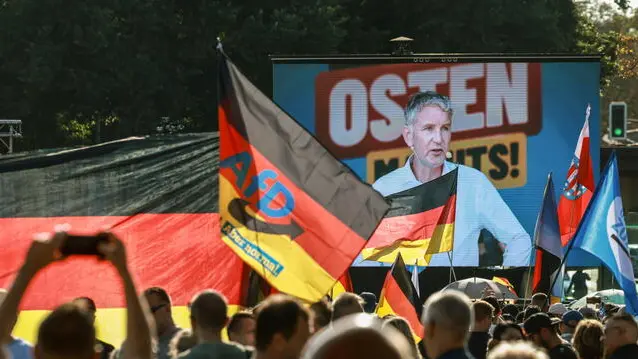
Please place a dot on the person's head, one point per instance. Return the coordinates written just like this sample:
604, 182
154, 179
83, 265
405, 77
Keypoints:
540, 330
369, 302
505, 332
447, 316
282, 327
88, 305
519, 350
588, 313
508, 332
209, 313
587, 339
241, 328
520, 317
620, 329
66, 333
511, 309
529, 311
402, 325
181, 342
569, 321
321, 314
557, 310
483, 315
540, 300
358, 336
346, 304
494, 303
428, 128
159, 303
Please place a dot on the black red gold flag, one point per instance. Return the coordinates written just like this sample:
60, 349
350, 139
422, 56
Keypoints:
400, 298
289, 209
419, 224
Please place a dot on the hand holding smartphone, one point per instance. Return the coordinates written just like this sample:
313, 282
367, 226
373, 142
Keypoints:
83, 245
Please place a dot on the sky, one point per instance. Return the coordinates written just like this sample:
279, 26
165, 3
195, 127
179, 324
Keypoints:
632, 3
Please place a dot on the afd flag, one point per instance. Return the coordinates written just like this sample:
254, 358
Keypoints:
603, 233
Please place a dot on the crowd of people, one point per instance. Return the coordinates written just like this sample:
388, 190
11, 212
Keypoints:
282, 327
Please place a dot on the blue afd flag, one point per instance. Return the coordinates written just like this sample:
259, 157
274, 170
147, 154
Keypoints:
602, 233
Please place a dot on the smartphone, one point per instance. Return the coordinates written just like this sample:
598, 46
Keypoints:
83, 245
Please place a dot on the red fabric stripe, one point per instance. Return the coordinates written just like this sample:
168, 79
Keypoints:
401, 304
412, 227
538, 270
346, 282
180, 252
330, 243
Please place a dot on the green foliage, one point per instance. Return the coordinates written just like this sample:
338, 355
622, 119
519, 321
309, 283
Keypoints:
77, 71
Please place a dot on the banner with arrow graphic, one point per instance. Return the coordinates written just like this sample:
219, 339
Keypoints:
288, 208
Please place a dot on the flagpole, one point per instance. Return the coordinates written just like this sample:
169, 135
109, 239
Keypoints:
529, 288
452, 272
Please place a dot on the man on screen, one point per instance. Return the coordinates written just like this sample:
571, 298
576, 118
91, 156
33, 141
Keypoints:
427, 131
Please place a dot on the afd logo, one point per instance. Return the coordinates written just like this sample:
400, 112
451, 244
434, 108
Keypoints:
274, 200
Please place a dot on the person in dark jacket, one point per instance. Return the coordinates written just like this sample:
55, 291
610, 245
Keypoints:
480, 336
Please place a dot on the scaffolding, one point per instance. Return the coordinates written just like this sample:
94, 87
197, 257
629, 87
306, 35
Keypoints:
10, 129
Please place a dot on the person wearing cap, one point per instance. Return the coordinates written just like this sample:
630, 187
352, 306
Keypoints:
557, 310
568, 324
588, 313
540, 330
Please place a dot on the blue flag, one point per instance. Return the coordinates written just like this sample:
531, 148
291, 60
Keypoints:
603, 233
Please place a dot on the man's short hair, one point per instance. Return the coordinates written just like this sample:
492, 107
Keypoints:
540, 298
68, 331
234, 325
494, 302
209, 309
511, 309
345, 304
89, 302
451, 310
419, 100
624, 317
531, 310
160, 292
322, 312
278, 314
482, 310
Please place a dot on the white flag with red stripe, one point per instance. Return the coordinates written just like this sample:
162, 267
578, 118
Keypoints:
578, 188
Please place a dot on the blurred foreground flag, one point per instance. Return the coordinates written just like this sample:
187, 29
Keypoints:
288, 208
343, 285
603, 233
420, 223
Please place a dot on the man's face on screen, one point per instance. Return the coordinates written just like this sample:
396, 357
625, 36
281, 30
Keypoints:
429, 136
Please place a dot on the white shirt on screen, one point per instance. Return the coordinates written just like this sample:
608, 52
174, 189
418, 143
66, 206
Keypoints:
478, 206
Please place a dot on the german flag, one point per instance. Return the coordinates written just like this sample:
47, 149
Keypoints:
504, 281
398, 297
289, 209
344, 284
158, 193
420, 223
